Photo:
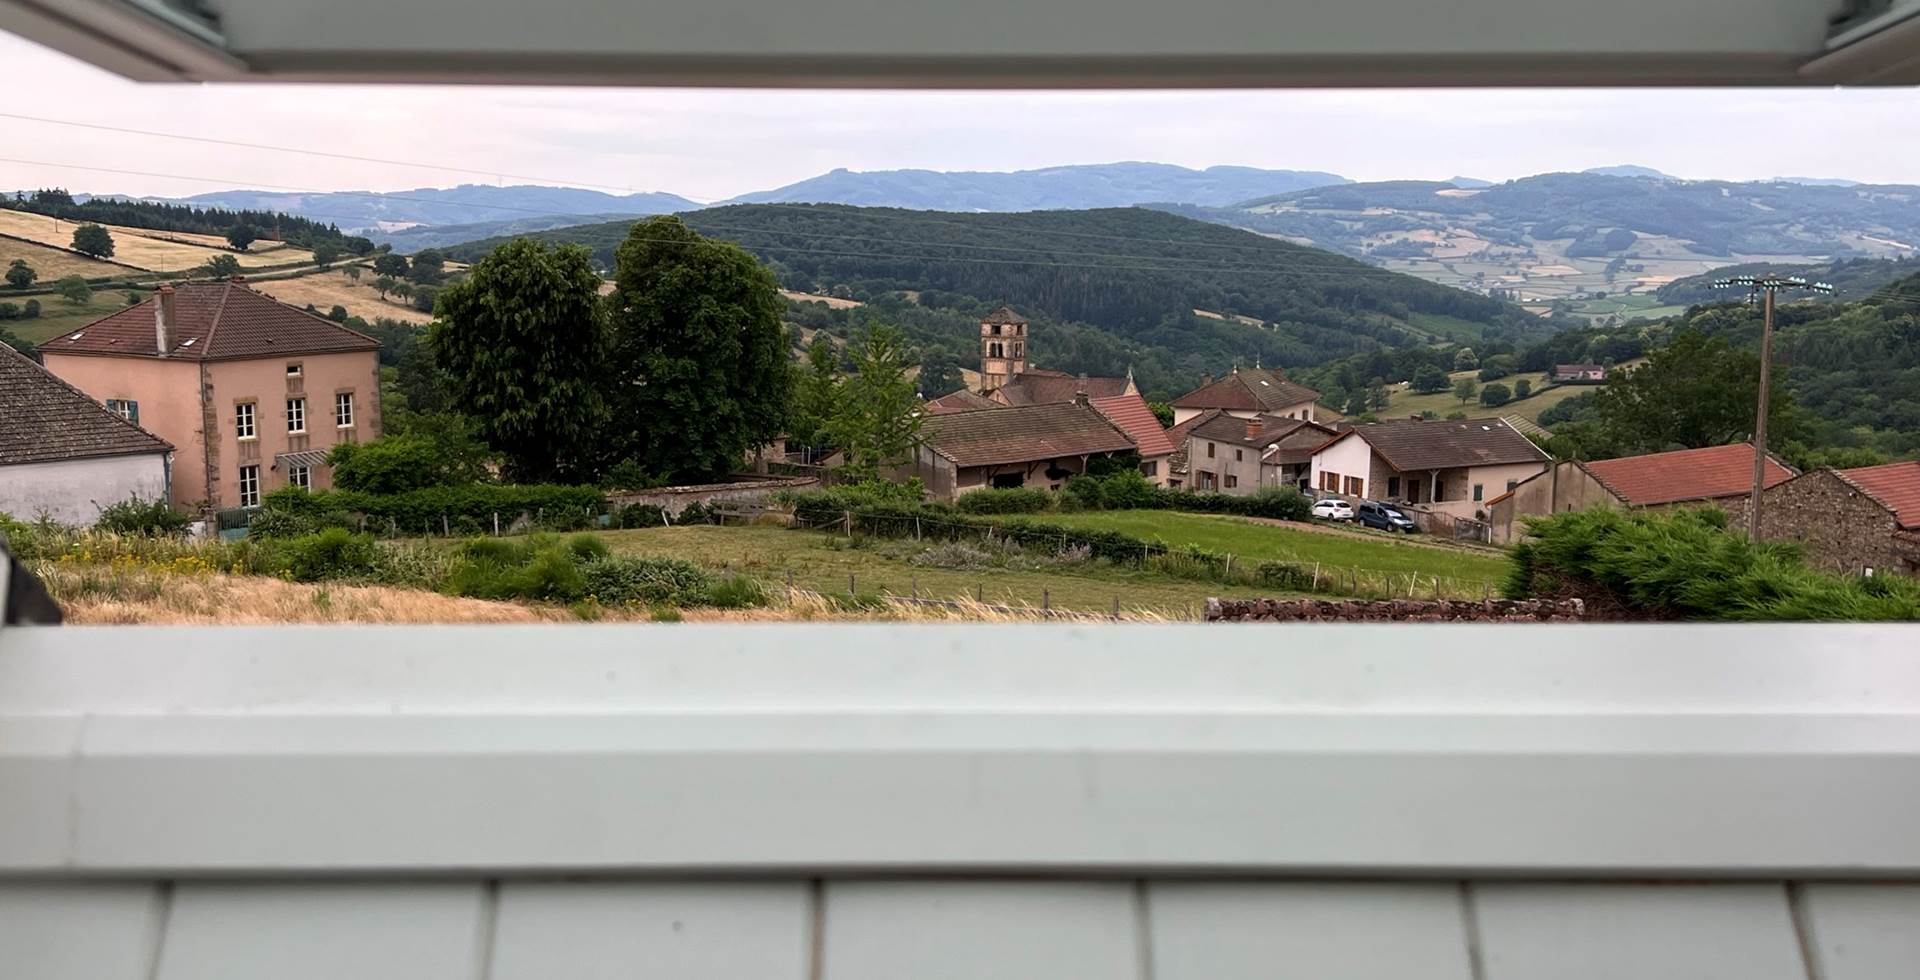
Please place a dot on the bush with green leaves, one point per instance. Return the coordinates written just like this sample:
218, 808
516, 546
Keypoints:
1011, 500
268, 523
640, 515
1688, 565
398, 464
334, 553
539, 567
138, 516
468, 509
634, 580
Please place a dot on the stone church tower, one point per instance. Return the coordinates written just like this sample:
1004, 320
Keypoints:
1003, 348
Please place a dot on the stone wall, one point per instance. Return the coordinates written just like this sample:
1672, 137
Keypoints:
673, 500
1839, 528
1395, 610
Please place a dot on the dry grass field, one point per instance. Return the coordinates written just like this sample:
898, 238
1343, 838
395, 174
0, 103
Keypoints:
147, 249
832, 302
326, 290
52, 263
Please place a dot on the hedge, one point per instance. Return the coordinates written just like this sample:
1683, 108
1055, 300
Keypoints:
468, 509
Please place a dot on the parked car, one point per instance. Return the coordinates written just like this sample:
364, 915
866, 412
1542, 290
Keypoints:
1371, 514
1333, 510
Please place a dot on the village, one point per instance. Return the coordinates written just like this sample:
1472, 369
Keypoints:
210, 400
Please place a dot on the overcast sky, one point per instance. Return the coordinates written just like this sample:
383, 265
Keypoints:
712, 144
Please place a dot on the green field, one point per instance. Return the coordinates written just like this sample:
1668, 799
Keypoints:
57, 316
1404, 402
1369, 552
822, 562
1627, 306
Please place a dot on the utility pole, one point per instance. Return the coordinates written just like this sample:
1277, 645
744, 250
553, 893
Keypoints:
1765, 286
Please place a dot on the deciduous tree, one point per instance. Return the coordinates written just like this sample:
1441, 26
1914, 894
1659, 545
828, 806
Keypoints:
74, 290
1465, 388
1429, 380
1696, 391
222, 266
242, 235
93, 240
324, 254
520, 343
878, 423
389, 264
816, 393
20, 275
699, 354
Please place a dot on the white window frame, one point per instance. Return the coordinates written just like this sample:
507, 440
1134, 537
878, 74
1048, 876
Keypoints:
245, 423
250, 485
294, 370
343, 409
296, 415
126, 408
300, 475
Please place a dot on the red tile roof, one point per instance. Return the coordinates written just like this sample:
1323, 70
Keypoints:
1131, 414
1248, 390
964, 400
1897, 485
1684, 474
1003, 314
213, 322
45, 420
1021, 434
1042, 387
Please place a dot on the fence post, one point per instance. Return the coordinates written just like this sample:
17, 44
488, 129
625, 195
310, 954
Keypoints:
1046, 601
1316, 576
789, 584
1116, 607
445, 530
848, 519
496, 523
850, 589
913, 587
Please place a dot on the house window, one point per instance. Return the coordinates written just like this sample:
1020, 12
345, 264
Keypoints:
996, 330
1476, 491
296, 415
300, 476
1150, 468
1232, 481
1239, 455
1355, 486
1329, 481
1393, 486
1209, 450
129, 410
343, 410
243, 420
250, 486
293, 370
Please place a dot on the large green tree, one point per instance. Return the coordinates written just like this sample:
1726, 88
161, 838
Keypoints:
520, 343
242, 235
939, 374
93, 240
816, 393
699, 355
1696, 391
878, 423
20, 275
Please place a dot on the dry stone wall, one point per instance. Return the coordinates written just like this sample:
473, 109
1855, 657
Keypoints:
1395, 610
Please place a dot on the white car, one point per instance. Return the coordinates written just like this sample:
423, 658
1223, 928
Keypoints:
1333, 510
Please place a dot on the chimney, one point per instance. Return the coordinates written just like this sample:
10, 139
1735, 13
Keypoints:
1254, 425
164, 320
1080, 393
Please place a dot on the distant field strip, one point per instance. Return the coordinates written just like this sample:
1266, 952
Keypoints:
149, 249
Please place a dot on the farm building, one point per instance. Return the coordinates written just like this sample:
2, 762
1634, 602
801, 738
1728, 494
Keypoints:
1721, 476
66, 457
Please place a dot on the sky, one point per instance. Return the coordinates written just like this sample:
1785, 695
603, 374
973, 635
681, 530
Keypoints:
710, 144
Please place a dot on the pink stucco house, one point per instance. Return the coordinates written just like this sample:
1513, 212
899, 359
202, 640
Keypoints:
251, 392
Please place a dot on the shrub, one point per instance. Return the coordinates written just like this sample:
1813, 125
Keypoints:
398, 464
1687, 565
1284, 575
281, 524
468, 508
640, 515
632, 580
1495, 395
953, 554
539, 567
1085, 491
137, 516
695, 513
586, 547
331, 554
1013, 500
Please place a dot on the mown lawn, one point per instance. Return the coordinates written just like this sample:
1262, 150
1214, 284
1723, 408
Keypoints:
1470, 568
822, 562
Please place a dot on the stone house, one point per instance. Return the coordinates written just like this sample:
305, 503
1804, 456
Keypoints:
1239, 456
1718, 475
1249, 392
1863, 521
253, 392
1450, 468
66, 457
1011, 446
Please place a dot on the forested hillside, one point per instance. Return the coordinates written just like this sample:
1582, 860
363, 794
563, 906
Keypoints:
186, 218
1102, 185
1851, 279
1135, 275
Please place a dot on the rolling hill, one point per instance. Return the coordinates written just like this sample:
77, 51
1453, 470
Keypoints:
1108, 288
1570, 236
1103, 185
361, 211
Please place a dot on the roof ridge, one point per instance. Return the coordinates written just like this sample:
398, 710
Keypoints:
213, 325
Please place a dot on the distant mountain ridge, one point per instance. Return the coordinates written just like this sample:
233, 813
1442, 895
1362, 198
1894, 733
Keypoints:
359, 211
1078, 187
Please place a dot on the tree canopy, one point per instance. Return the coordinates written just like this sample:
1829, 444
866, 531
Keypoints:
698, 353
878, 422
242, 235
20, 275
1696, 391
520, 344
93, 240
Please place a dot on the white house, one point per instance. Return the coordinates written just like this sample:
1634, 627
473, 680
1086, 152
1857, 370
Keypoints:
1453, 468
66, 457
